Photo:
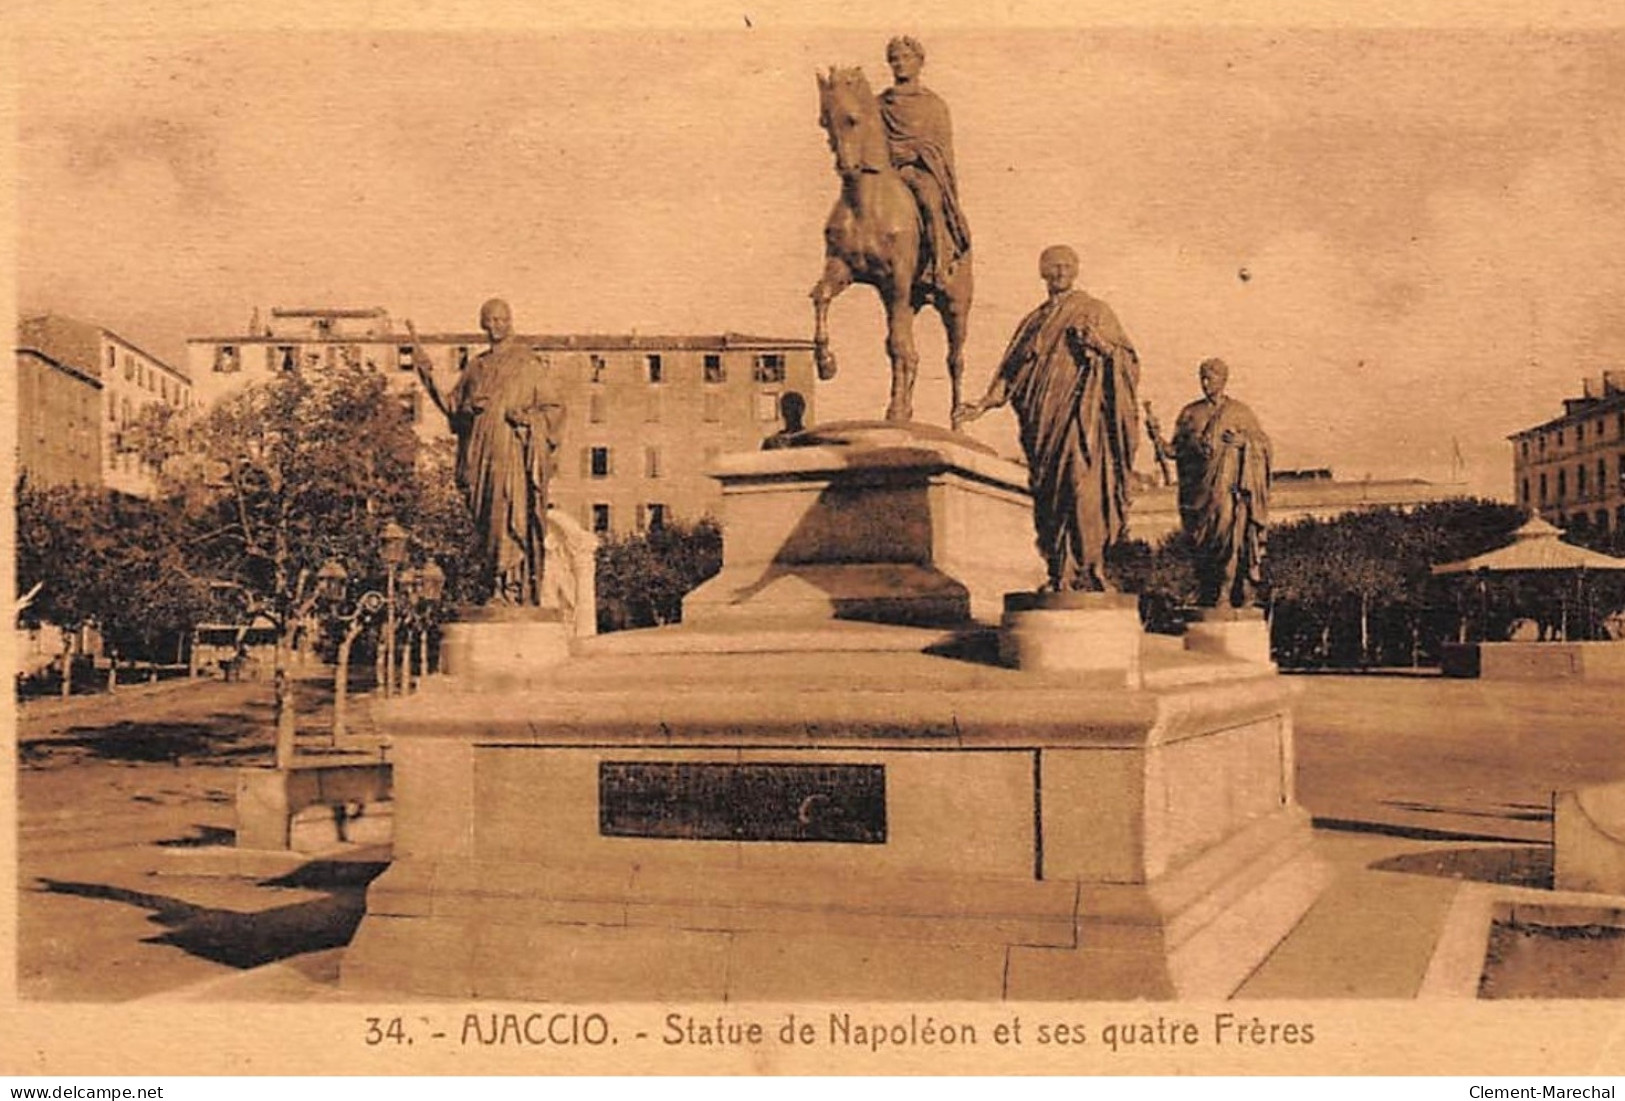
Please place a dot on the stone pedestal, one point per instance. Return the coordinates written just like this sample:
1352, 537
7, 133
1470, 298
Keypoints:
1535, 660
890, 523
1239, 633
502, 647
1072, 633
824, 786
876, 825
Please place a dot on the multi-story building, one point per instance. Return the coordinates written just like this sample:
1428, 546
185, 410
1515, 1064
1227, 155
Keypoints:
1571, 470
58, 419
81, 388
646, 415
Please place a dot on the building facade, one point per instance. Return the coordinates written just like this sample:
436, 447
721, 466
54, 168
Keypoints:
1296, 495
81, 388
1571, 470
58, 421
645, 415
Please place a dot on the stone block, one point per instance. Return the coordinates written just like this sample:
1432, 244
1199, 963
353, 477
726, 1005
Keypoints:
397, 956
264, 810
1196, 934
893, 523
1093, 815
830, 968
502, 651
434, 798
1072, 633
311, 806
586, 963
1239, 633
1039, 834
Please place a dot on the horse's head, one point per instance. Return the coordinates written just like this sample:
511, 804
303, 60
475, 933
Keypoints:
850, 116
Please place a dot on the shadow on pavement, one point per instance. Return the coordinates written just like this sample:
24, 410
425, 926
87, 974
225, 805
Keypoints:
235, 939
325, 875
1543, 961
1514, 866
1409, 833
203, 837
166, 741
1512, 812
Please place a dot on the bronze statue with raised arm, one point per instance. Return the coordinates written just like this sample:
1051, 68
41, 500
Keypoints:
1070, 374
507, 413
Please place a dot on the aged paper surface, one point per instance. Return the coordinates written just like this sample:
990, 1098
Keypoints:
1424, 209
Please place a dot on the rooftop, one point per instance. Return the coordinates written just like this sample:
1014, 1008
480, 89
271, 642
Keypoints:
54, 335
1601, 394
586, 342
368, 312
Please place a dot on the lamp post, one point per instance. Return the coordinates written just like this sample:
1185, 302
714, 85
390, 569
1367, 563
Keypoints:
428, 583
332, 584
421, 588
409, 621
393, 552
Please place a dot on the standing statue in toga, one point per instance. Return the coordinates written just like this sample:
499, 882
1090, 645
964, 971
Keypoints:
1070, 374
1223, 458
507, 413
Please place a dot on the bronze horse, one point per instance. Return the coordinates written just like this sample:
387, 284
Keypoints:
873, 236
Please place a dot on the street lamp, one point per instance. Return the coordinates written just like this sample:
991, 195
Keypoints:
431, 585
331, 581
332, 586
421, 589
392, 550
409, 625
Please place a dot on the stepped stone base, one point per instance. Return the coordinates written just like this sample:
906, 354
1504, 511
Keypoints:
884, 825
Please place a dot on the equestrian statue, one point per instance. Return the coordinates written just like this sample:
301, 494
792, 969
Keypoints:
897, 225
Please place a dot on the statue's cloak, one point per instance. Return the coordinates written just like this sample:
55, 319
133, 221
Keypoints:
1071, 375
504, 480
1224, 488
919, 131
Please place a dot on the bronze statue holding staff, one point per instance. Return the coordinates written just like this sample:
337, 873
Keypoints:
1223, 456
507, 413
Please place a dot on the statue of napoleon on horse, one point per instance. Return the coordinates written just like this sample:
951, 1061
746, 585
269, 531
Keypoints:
875, 235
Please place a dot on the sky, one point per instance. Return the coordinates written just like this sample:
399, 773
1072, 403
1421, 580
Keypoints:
1400, 239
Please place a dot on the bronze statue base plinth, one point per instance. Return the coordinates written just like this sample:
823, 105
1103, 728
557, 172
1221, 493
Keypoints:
883, 522
1239, 633
502, 646
1072, 632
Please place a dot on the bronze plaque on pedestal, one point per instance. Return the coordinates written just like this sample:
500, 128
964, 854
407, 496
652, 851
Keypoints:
719, 801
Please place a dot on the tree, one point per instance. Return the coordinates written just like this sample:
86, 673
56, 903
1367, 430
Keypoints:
1163, 578
1359, 588
61, 542
152, 595
105, 560
642, 579
298, 470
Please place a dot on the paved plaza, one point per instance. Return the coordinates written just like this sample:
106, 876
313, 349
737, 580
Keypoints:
1419, 785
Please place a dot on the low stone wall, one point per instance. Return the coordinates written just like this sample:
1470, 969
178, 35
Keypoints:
310, 806
1535, 660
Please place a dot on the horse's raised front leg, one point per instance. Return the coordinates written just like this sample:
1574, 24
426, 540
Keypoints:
905, 361
836, 278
